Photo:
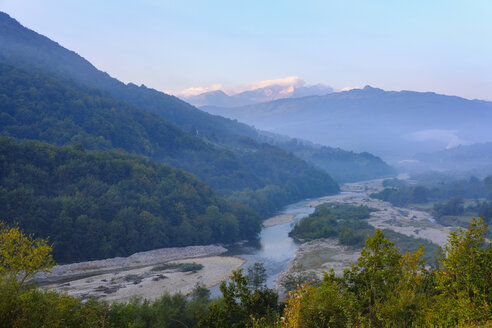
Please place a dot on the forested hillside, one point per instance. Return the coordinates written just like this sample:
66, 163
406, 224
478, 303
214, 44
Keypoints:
39, 107
99, 204
27, 49
343, 166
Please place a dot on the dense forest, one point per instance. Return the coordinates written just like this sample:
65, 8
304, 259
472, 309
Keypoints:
99, 204
26, 49
331, 220
343, 166
383, 289
36, 106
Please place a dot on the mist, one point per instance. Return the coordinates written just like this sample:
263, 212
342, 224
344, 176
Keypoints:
397, 126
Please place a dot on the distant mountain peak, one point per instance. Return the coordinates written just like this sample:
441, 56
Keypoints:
254, 93
369, 88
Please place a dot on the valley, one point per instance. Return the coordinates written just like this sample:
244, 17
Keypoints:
190, 164
324, 254
121, 279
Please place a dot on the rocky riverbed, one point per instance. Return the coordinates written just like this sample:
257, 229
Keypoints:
146, 274
321, 255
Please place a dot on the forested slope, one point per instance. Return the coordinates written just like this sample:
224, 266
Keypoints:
343, 165
98, 204
37, 106
27, 49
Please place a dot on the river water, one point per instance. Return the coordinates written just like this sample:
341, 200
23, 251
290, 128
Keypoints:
275, 248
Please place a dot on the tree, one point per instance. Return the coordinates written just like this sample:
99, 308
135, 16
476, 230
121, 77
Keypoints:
384, 289
465, 280
241, 307
21, 256
377, 272
256, 275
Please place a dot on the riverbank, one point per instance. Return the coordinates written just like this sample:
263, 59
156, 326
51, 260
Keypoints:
119, 279
150, 282
410, 222
314, 257
146, 274
322, 254
279, 219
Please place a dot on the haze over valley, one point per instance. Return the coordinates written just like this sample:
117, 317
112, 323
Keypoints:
245, 164
393, 125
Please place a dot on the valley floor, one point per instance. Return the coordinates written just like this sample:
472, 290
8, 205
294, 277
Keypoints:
142, 274
320, 255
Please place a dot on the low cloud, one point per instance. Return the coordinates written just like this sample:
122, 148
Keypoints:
349, 88
194, 91
289, 82
447, 137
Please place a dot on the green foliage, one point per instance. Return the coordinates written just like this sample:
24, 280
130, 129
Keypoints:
485, 211
376, 275
399, 193
242, 307
21, 257
95, 204
403, 196
187, 267
404, 243
394, 183
335, 220
36, 106
181, 267
387, 289
465, 280
168, 311
454, 206
383, 289
40, 309
343, 166
256, 275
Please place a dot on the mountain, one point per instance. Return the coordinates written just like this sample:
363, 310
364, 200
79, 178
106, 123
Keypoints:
99, 204
394, 125
463, 157
39, 107
24, 48
344, 166
27, 49
219, 98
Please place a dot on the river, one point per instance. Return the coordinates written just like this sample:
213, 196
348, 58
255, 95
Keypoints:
275, 248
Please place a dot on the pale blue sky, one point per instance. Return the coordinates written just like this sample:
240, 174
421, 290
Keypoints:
441, 46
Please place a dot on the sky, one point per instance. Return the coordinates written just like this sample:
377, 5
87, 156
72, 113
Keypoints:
439, 46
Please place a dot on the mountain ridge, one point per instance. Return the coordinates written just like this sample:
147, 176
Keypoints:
373, 119
38, 107
255, 96
215, 129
